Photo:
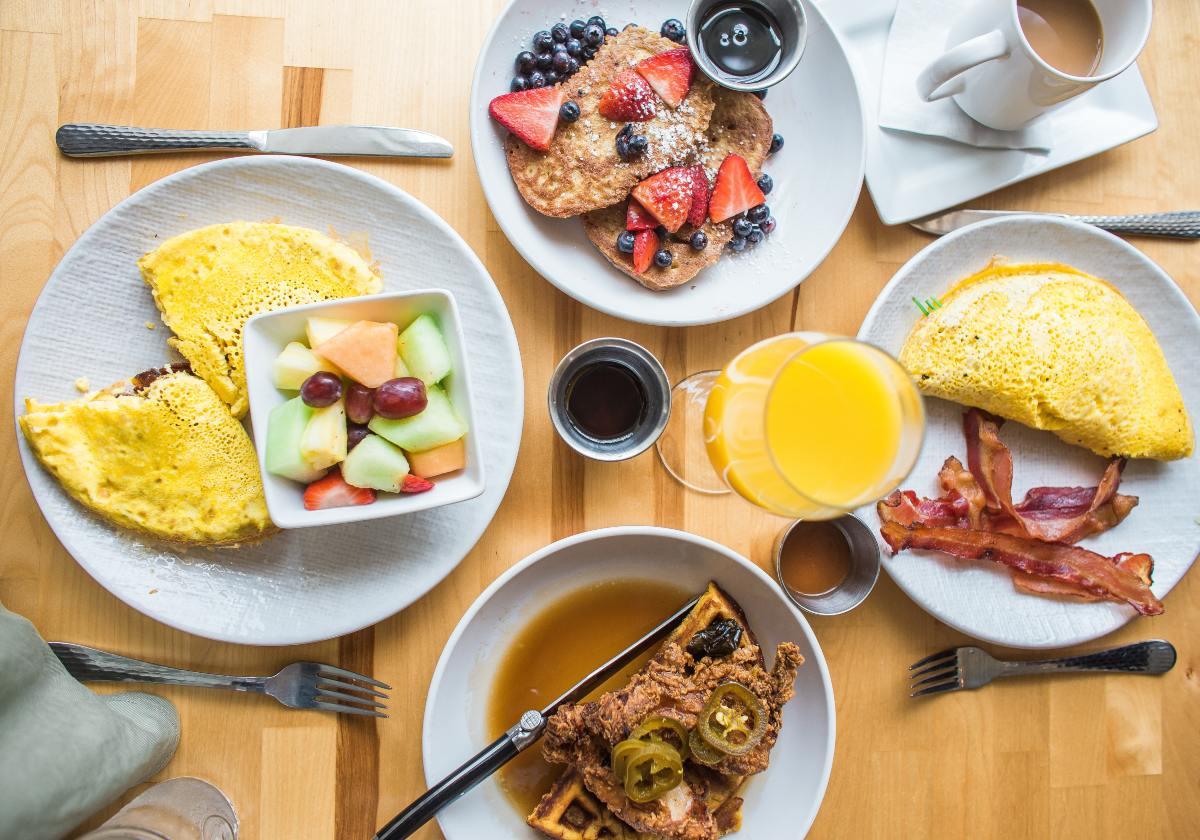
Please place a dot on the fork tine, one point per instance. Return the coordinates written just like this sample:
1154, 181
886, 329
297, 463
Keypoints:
331, 671
933, 656
940, 665
937, 689
350, 686
338, 695
946, 673
348, 710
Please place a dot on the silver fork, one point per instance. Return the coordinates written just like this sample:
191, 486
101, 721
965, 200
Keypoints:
970, 667
301, 685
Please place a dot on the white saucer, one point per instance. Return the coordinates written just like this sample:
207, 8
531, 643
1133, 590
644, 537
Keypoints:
911, 176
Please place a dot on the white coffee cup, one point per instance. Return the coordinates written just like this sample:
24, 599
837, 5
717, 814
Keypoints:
996, 77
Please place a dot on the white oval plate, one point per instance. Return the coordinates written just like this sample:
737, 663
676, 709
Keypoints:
818, 176
298, 586
780, 803
978, 598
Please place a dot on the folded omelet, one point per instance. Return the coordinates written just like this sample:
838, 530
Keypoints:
161, 455
208, 282
1053, 348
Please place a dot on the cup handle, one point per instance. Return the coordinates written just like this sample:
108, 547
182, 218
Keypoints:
940, 79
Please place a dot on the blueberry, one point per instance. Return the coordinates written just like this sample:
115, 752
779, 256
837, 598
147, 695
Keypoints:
597, 20
560, 62
638, 144
543, 41
537, 79
576, 28
526, 61
625, 242
776, 143
661, 231
699, 241
758, 214
589, 53
545, 61
674, 30
755, 236
765, 183
662, 258
738, 243
574, 47
628, 26
761, 94
572, 66
560, 32
611, 31
519, 83
768, 225
569, 112
742, 226
552, 79
623, 146
559, 48
593, 35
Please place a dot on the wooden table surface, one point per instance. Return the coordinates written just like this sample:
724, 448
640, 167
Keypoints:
1084, 757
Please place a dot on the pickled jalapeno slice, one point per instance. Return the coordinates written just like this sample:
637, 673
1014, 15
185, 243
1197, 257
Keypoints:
663, 730
652, 772
701, 751
734, 720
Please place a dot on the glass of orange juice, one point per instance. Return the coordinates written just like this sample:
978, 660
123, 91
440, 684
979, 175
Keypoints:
805, 425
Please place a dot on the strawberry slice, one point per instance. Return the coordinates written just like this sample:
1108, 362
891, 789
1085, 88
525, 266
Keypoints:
670, 74
628, 99
532, 115
667, 196
645, 243
332, 491
735, 191
700, 195
415, 484
636, 217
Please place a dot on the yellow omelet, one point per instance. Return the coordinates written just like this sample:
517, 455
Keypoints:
1057, 349
161, 455
208, 282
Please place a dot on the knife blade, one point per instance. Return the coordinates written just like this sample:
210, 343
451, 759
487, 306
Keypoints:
1182, 224
523, 734
95, 140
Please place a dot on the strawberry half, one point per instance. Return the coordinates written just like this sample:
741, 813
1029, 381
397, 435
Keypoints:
628, 99
532, 115
667, 196
700, 195
415, 484
735, 191
636, 217
670, 74
333, 491
645, 243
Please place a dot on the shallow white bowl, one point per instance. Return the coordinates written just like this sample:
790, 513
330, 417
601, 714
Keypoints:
780, 803
267, 334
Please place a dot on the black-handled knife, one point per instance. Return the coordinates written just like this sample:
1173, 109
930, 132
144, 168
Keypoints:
524, 733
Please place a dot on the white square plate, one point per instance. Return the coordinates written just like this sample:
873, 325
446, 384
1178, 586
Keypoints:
911, 176
267, 334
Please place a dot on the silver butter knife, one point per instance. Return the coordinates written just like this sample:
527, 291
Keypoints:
1184, 224
93, 140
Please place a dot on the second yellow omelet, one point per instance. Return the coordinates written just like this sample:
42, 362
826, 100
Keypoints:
1053, 348
208, 282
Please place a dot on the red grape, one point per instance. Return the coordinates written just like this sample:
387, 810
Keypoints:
321, 389
399, 398
358, 403
354, 435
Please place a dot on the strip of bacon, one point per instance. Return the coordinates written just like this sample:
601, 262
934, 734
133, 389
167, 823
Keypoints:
1139, 565
1098, 575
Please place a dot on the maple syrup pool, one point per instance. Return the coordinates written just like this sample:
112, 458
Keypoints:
559, 646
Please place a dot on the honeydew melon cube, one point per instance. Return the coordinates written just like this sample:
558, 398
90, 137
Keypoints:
437, 425
424, 350
294, 364
285, 428
324, 441
319, 330
376, 464
400, 370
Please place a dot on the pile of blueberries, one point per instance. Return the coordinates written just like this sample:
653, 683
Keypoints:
559, 52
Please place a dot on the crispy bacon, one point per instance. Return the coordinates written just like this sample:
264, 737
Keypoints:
1140, 565
1097, 575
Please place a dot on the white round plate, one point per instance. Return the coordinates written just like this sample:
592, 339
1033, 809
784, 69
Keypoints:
818, 175
978, 598
780, 803
302, 585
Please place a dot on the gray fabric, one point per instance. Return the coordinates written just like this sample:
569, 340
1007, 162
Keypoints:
66, 752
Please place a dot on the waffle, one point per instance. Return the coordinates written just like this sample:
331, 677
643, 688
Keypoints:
581, 170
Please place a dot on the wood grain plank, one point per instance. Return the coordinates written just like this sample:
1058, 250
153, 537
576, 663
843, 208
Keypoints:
302, 96
357, 774
298, 768
31, 15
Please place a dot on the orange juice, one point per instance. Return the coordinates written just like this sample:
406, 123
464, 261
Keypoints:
809, 426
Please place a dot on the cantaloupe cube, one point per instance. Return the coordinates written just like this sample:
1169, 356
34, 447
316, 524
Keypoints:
365, 351
445, 459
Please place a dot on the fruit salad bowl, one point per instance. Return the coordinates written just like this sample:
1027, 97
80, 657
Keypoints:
359, 408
